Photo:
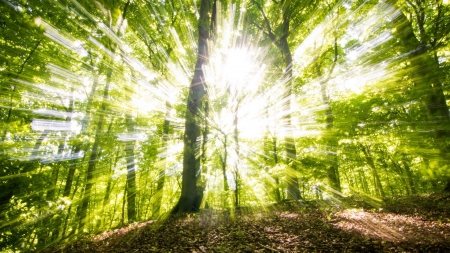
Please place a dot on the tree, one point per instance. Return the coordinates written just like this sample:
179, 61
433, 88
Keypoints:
422, 40
191, 195
277, 27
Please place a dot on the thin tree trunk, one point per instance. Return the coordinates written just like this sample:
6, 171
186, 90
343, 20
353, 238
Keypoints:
282, 44
364, 185
409, 177
55, 172
377, 182
162, 176
401, 173
289, 141
66, 220
131, 174
270, 151
385, 166
90, 173
223, 162
109, 186
236, 162
124, 200
332, 170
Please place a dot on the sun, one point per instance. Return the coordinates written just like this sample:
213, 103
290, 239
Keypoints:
234, 75
240, 67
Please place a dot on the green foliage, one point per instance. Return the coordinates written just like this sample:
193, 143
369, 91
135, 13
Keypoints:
369, 100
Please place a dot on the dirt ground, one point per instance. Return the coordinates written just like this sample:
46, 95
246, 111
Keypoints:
407, 224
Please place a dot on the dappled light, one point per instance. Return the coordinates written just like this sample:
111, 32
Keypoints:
391, 227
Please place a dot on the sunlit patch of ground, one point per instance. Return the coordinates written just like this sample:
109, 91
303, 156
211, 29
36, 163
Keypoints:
392, 227
120, 231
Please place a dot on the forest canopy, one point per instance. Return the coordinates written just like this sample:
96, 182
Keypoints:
121, 111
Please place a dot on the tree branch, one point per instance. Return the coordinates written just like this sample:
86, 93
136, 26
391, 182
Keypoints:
22, 66
269, 32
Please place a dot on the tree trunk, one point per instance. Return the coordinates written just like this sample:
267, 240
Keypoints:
426, 74
377, 182
333, 169
281, 42
278, 195
409, 177
66, 220
270, 146
190, 197
162, 175
223, 161
385, 166
131, 174
90, 173
236, 162
364, 185
289, 141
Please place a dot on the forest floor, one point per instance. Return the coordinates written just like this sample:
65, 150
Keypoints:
404, 224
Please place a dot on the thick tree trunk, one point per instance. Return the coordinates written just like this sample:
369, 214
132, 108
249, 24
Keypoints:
426, 73
190, 197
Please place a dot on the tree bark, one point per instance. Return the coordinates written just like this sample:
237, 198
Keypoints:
426, 74
131, 174
190, 197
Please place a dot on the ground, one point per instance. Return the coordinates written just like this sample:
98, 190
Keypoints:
405, 224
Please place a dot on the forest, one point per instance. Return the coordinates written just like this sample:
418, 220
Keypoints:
224, 125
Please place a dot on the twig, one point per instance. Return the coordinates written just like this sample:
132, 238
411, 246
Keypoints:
267, 247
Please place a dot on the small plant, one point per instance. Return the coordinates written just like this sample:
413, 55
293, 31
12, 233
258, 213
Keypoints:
240, 233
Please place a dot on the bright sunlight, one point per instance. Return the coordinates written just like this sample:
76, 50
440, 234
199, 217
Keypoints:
224, 126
